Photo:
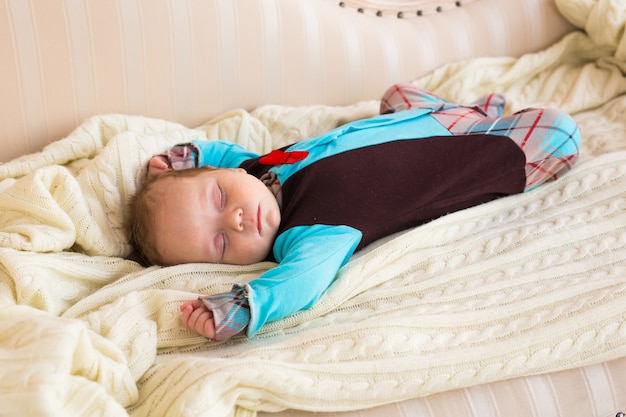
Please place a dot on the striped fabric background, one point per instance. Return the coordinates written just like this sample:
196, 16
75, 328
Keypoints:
593, 391
62, 61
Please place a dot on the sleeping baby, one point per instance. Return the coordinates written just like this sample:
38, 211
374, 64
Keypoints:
311, 205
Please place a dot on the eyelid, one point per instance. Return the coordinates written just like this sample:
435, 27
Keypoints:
222, 197
224, 245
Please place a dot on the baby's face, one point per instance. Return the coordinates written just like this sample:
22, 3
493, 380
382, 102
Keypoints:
221, 216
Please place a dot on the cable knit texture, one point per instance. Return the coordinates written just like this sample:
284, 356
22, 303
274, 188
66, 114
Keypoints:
524, 285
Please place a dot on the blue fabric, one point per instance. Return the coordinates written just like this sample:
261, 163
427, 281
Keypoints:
309, 258
409, 124
222, 154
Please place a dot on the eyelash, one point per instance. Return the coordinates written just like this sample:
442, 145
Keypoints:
222, 198
224, 244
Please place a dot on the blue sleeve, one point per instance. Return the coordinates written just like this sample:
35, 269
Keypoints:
220, 154
309, 258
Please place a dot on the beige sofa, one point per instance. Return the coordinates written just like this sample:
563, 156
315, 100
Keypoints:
514, 308
188, 61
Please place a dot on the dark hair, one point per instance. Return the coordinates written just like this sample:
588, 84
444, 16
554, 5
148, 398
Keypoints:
140, 219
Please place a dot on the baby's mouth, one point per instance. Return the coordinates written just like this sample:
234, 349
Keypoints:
259, 225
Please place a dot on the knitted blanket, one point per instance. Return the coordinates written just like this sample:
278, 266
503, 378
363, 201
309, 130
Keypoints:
527, 284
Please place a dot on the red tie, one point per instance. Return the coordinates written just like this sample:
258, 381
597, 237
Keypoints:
280, 157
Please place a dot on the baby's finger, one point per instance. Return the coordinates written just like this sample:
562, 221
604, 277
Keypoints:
186, 310
184, 306
208, 327
203, 323
157, 165
198, 316
158, 162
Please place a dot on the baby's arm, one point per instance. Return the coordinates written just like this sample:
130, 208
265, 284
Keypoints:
310, 258
196, 316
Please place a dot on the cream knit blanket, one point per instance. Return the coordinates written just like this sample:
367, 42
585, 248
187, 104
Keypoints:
527, 284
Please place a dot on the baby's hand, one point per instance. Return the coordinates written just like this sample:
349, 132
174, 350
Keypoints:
197, 317
157, 165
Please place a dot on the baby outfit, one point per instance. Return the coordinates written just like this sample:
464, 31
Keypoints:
420, 159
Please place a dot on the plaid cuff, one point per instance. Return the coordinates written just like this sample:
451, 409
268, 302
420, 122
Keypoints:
231, 312
182, 156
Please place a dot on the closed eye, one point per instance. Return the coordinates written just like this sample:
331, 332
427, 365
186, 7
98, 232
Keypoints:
222, 198
221, 244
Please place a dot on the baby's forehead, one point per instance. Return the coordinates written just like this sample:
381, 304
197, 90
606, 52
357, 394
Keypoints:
179, 183
193, 175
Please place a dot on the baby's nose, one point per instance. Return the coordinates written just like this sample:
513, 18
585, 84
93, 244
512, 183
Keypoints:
236, 219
